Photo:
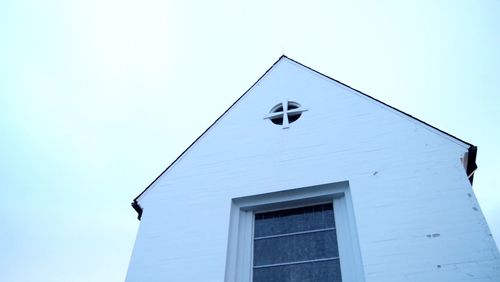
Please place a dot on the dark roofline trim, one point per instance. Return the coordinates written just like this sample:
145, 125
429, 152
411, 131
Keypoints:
389, 106
472, 153
471, 163
137, 208
135, 204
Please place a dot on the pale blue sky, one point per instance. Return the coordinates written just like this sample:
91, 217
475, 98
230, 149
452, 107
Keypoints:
98, 97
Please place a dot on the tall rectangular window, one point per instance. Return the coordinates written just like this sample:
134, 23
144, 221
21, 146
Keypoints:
305, 234
296, 244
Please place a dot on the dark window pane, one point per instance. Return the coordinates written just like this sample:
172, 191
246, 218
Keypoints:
293, 248
294, 220
293, 117
278, 109
292, 106
321, 271
277, 120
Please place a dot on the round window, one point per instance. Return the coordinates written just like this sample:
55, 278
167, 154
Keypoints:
285, 113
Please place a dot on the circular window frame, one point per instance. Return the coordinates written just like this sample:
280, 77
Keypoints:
279, 116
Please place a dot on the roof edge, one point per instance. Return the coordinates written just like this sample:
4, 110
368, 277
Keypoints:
472, 150
387, 105
135, 203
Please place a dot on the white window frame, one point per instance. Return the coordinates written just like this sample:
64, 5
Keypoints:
239, 264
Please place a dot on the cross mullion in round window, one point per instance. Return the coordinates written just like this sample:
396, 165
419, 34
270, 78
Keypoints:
285, 113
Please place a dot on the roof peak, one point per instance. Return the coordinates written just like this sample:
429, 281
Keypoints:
471, 165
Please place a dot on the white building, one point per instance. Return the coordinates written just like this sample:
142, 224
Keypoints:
307, 179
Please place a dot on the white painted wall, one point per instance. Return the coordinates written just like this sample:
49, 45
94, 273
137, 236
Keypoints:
406, 180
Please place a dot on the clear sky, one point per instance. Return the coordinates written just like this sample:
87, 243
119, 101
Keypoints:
97, 97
